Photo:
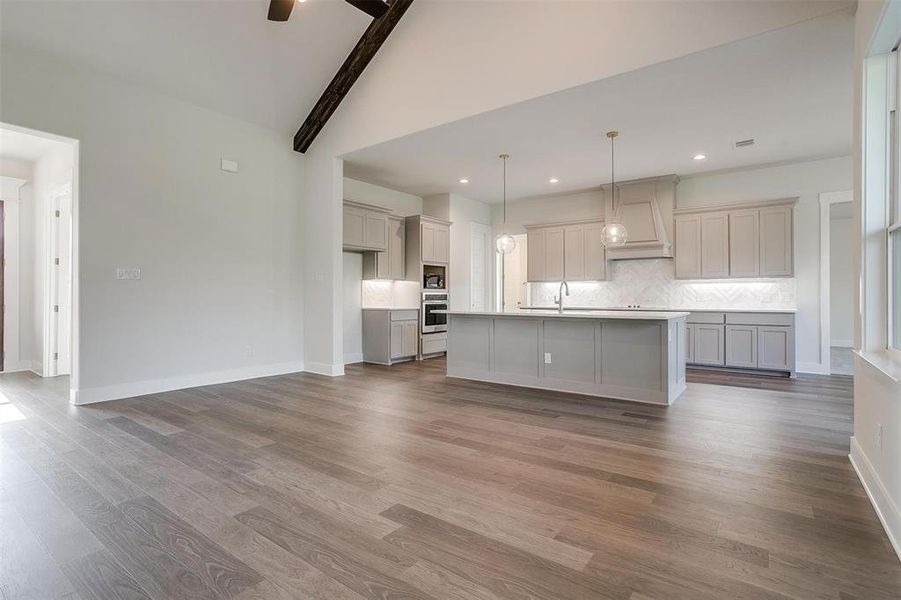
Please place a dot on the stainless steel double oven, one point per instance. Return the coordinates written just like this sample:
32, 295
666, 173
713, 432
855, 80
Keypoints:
433, 322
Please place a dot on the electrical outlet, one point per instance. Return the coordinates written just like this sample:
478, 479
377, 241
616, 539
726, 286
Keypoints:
547, 358
879, 435
128, 273
229, 166
248, 351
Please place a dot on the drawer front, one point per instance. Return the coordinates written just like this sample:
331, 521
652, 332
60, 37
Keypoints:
404, 315
434, 343
717, 318
752, 318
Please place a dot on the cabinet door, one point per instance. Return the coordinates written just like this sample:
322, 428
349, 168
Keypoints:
710, 345
689, 343
354, 226
411, 338
553, 254
427, 242
715, 245
744, 243
741, 346
396, 265
775, 348
688, 246
595, 254
536, 243
397, 339
376, 233
442, 243
574, 253
776, 245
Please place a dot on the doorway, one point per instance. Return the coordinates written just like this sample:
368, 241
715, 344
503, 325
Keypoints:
837, 283
480, 247
38, 172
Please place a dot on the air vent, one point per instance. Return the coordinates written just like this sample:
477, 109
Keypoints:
743, 143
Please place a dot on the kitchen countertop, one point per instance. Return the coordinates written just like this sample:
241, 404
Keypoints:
390, 308
658, 309
624, 315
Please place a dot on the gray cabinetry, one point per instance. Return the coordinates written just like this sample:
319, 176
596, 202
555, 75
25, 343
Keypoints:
741, 340
569, 251
741, 346
391, 263
738, 241
435, 242
364, 227
390, 336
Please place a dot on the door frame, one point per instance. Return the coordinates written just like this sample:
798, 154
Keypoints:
483, 230
51, 279
827, 199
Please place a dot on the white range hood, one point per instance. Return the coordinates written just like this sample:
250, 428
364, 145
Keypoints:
645, 207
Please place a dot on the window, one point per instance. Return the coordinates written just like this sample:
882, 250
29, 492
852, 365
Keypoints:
895, 281
893, 231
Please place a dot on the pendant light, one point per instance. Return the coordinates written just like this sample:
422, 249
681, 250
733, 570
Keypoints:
505, 243
614, 234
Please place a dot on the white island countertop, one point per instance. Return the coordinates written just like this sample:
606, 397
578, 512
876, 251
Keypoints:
659, 309
619, 315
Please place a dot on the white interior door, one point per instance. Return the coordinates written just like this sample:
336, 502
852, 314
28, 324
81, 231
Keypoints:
59, 357
479, 266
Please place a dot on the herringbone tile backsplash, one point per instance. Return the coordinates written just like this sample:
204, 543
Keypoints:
652, 284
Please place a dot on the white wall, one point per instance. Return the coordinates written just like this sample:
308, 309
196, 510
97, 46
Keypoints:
221, 293
18, 241
406, 89
555, 208
877, 396
841, 283
400, 203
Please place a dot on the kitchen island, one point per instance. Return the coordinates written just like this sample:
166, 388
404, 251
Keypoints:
630, 355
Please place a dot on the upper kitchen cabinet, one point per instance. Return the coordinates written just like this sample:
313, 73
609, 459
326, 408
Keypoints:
391, 263
570, 252
737, 241
435, 240
365, 227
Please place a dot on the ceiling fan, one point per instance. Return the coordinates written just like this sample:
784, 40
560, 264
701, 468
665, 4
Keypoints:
280, 10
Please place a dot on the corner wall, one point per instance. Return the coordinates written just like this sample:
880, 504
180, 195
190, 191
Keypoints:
221, 294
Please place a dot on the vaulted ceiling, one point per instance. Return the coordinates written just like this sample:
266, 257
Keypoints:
788, 89
223, 55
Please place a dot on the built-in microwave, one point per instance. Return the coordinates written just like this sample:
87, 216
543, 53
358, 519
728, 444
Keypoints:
432, 321
434, 277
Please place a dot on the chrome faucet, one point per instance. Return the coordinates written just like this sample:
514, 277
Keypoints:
558, 299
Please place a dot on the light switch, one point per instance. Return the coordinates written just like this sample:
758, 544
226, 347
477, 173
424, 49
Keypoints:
128, 273
547, 358
229, 166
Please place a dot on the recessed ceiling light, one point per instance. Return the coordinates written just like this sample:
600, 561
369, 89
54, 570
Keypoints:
464, 180
553, 180
699, 156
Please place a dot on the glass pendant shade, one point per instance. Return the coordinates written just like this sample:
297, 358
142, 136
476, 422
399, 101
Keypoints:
613, 235
505, 243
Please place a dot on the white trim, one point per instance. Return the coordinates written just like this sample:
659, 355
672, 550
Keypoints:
888, 513
827, 199
155, 386
353, 357
325, 369
842, 343
10, 195
812, 367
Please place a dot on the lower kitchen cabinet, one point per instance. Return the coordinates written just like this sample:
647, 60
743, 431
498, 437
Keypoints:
741, 340
390, 336
741, 346
709, 346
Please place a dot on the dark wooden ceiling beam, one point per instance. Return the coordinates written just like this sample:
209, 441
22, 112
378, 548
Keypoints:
366, 48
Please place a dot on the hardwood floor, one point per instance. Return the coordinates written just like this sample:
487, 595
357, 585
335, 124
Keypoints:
395, 482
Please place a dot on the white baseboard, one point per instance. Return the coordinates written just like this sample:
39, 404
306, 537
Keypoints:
882, 502
815, 368
353, 358
18, 365
325, 369
155, 386
842, 343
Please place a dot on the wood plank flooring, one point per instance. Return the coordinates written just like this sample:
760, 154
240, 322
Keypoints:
395, 482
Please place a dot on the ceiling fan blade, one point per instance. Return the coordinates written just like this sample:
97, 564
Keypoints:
373, 8
280, 10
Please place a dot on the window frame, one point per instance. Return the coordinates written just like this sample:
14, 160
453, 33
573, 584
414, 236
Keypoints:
893, 206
